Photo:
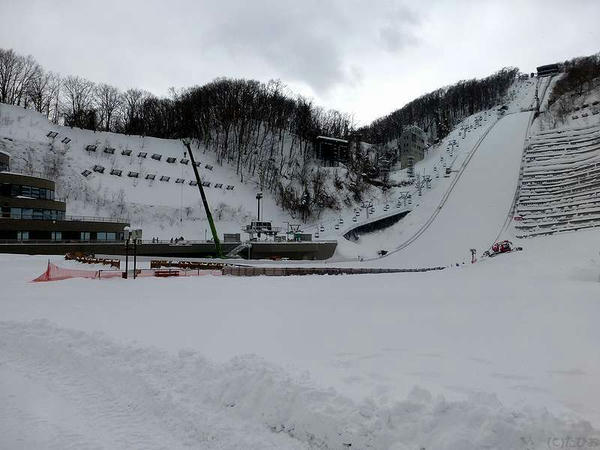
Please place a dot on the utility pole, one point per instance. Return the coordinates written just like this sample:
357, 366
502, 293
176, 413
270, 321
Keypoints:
211, 222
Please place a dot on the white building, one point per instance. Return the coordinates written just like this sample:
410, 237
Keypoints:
411, 144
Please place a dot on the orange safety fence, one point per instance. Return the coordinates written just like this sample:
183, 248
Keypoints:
55, 273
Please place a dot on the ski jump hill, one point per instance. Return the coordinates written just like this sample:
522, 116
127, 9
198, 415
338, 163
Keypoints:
474, 211
477, 206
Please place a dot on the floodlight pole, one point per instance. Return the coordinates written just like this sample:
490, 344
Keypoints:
258, 197
211, 222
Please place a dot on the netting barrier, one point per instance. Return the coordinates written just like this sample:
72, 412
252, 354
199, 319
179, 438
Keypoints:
56, 273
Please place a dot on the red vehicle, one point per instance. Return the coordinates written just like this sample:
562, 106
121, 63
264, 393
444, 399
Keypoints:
501, 247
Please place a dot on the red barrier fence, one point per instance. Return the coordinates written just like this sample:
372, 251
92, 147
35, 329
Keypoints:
55, 273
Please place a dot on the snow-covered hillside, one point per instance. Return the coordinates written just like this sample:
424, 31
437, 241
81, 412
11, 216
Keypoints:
162, 208
93, 173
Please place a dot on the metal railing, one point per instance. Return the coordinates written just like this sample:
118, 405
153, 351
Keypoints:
62, 241
66, 218
27, 173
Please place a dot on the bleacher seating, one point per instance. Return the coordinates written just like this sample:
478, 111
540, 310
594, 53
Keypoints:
560, 182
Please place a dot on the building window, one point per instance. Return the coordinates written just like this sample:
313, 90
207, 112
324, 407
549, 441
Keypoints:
85, 236
22, 235
56, 235
111, 236
15, 213
32, 192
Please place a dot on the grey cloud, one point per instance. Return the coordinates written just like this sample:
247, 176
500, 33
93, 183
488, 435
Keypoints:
399, 31
293, 43
395, 39
315, 42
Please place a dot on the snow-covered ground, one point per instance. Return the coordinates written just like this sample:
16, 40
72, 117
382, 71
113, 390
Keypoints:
481, 356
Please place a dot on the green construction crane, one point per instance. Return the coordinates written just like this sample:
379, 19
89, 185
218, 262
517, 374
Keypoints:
211, 222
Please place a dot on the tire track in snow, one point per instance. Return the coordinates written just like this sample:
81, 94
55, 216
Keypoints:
97, 395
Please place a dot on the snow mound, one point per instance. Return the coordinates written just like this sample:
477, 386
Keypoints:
132, 397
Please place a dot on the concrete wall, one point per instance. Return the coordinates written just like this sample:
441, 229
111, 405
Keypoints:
376, 225
26, 180
293, 250
33, 203
112, 248
266, 250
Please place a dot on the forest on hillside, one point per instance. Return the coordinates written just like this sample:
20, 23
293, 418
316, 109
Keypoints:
438, 112
262, 130
581, 75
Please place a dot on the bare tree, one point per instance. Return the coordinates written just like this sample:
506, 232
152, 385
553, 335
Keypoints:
42, 91
16, 74
133, 100
108, 99
79, 102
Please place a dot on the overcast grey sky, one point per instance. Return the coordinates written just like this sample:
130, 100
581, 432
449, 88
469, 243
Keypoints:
362, 57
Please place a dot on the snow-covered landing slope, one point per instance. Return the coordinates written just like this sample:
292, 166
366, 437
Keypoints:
476, 208
474, 214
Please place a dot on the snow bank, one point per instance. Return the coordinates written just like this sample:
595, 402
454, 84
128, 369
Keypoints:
141, 397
